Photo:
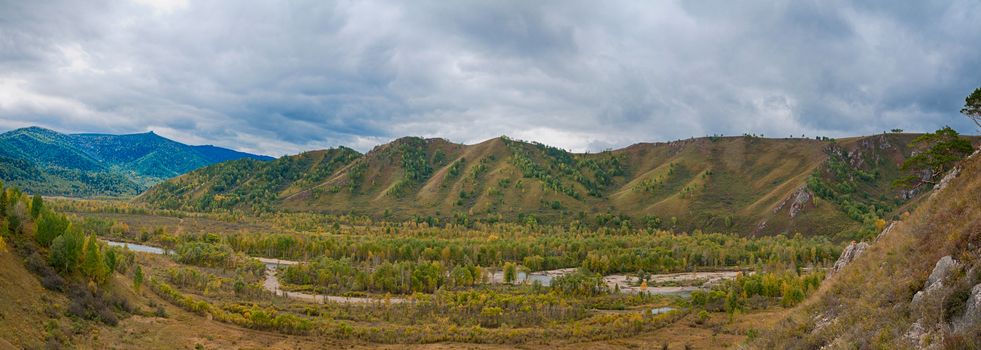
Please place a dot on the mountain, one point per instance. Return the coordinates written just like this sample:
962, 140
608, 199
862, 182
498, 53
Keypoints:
916, 286
47, 162
746, 184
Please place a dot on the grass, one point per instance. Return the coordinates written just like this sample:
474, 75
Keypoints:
868, 304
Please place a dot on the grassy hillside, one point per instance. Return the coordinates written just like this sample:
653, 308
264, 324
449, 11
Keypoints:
47, 162
901, 292
740, 184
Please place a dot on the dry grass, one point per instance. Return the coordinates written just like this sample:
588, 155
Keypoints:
868, 304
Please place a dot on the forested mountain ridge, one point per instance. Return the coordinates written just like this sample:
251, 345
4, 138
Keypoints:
47, 162
741, 184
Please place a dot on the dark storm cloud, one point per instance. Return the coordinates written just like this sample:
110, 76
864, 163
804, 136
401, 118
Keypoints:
278, 78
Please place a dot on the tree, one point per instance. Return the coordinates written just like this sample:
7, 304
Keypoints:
93, 264
3, 200
138, 279
510, 272
972, 107
66, 251
49, 226
939, 152
36, 205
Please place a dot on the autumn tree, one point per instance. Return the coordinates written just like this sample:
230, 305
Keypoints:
93, 263
510, 272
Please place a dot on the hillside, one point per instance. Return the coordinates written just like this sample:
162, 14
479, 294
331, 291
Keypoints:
744, 184
918, 285
47, 162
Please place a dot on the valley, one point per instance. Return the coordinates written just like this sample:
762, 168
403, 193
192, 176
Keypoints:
251, 270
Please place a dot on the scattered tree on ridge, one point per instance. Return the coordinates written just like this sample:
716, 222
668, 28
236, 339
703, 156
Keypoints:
972, 107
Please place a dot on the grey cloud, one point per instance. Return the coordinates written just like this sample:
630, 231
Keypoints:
281, 78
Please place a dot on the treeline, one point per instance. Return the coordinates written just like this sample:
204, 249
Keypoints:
758, 291
660, 252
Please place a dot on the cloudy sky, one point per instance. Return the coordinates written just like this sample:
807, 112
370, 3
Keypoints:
278, 77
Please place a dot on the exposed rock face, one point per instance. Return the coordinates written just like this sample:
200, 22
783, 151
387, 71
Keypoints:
797, 201
972, 311
801, 198
852, 252
950, 176
944, 267
760, 227
941, 270
885, 231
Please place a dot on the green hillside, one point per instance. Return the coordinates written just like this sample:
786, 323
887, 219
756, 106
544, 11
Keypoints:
741, 184
47, 162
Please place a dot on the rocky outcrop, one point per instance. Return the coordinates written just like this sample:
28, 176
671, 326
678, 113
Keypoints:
797, 200
972, 310
944, 267
851, 252
950, 176
886, 231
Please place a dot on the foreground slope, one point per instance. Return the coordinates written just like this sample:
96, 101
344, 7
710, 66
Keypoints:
746, 184
47, 162
917, 286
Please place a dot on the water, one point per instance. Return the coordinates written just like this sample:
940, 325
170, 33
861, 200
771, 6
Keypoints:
662, 310
138, 247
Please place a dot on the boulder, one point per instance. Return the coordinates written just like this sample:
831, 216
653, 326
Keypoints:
944, 267
941, 270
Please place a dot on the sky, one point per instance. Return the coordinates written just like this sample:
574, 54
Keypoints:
281, 77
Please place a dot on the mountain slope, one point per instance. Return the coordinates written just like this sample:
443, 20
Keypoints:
917, 286
47, 162
745, 184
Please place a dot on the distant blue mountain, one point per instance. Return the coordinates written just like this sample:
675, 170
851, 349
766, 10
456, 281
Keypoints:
47, 162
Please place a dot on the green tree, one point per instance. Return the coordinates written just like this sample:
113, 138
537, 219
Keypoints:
36, 205
972, 107
939, 152
138, 279
94, 264
111, 260
49, 226
66, 251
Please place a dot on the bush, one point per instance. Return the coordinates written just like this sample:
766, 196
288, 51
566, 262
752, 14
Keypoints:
49, 278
